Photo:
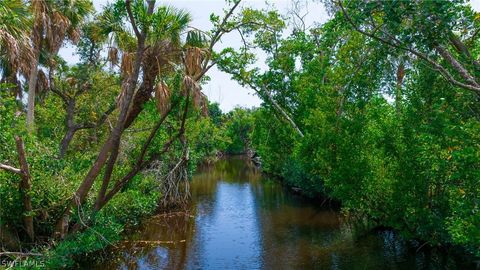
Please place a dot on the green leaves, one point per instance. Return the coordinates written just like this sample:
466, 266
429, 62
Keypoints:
412, 166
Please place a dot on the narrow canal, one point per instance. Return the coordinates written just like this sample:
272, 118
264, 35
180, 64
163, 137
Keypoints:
239, 219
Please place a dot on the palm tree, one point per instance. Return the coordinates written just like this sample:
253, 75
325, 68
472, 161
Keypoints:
53, 23
15, 51
163, 50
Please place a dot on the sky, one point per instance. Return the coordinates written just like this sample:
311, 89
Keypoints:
221, 88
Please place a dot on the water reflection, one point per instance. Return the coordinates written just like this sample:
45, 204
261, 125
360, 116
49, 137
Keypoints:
240, 220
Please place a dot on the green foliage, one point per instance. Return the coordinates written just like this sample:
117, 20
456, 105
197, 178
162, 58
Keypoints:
399, 155
238, 125
396, 151
93, 88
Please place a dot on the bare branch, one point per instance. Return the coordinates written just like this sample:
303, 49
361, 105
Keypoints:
132, 19
216, 37
277, 107
10, 169
455, 64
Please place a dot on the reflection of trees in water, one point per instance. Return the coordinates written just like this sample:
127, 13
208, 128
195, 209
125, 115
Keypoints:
204, 183
238, 169
159, 243
293, 233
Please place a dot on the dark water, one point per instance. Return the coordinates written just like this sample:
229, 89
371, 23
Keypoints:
240, 220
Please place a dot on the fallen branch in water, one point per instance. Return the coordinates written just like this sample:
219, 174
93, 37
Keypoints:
146, 242
179, 213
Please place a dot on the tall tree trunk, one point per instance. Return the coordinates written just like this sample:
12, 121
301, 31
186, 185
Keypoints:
398, 88
32, 79
25, 188
67, 138
32, 83
71, 128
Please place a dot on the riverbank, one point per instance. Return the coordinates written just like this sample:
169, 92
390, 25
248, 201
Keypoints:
238, 218
364, 227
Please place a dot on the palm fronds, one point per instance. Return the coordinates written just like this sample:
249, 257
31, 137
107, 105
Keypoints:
127, 63
162, 97
15, 25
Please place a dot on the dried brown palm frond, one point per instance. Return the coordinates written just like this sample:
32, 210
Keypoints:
56, 30
25, 57
193, 61
113, 56
42, 83
39, 9
11, 46
74, 35
39, 6
41, 20
162, 97
167, 56
161, 58
197, 97
71, 81
127, 64
204, 105
189, 85
200, 101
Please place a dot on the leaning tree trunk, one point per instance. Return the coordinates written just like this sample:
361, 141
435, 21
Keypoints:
144, 92
109, 150
283, 112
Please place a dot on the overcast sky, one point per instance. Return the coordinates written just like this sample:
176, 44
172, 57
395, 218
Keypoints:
221, 88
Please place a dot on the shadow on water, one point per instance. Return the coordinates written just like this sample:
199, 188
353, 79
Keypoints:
238, 219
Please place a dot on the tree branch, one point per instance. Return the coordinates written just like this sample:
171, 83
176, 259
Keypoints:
100, 121
215, 38
277, 107
60, 94
456, 65
443, 71
10, 169
132, 19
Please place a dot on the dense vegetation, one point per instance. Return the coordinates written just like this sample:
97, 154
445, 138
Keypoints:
113, 137
377, 108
